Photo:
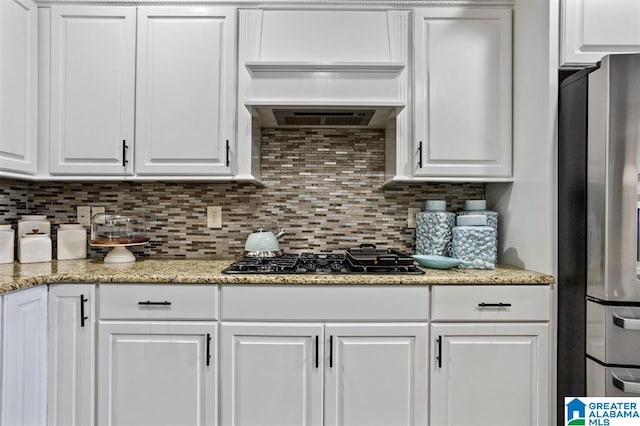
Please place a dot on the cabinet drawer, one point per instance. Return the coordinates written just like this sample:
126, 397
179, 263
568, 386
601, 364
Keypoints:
149, 301
491, 303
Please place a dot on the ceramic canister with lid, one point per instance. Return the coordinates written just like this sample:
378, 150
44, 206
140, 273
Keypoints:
34, 247
71, 241
475, 242
7, 239
30, 223
479, 207
433, 229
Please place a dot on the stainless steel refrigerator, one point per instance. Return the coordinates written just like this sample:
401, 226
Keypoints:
613, 284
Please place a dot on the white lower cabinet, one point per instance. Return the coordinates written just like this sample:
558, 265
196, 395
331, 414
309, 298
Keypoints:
157, 358
490, 356
24, 358
376, 375
356, 374
72, 336
271, 374
156, 373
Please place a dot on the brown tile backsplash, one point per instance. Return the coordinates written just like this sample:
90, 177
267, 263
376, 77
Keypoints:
322, 185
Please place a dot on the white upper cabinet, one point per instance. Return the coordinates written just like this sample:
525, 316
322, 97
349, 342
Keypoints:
92, 90
185, 95
462, 93
18, 82
591, 29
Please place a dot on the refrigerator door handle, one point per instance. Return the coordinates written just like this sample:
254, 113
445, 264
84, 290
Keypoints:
626, 323
624, 386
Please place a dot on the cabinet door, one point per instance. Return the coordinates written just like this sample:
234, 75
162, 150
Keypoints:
18, 82
591, 29
157, 373
271, 374
24, 362
184, 93
490, 374
92, 90
71, 384
462, 98
376, 374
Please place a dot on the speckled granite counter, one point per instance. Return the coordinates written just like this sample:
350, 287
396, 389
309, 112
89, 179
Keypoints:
17, 276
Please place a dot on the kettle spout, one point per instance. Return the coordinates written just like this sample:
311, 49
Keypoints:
280, 233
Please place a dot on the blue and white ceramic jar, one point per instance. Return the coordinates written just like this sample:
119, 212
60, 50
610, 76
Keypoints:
434, 229
479, 207
475, 242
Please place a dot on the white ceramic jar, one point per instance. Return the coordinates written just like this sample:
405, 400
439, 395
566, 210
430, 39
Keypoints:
34, 247
29, 222
71, 242
7, 239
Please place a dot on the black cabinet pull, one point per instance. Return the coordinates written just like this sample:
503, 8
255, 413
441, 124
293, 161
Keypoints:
439, 356
317, 352
150, 303
228, 149
208, 349
493, 305
82, 316
124, 153
420, 154
330, 351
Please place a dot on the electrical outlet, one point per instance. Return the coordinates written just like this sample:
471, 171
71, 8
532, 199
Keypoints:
83, 215
411, 216
214, 217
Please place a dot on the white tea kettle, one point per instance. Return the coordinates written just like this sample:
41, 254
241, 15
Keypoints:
263, 243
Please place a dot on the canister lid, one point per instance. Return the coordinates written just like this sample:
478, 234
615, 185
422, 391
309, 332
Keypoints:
71, 226
475, 205
34, 217
472, 220
436, 205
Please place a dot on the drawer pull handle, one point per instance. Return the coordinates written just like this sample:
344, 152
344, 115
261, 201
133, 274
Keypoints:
494, 305
625, 386
82, 315
626, 323
150, 303
439, 356
208, 349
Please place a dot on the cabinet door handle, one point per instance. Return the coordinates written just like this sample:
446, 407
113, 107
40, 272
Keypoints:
150, 303
124, 153
494, 305
420, 154
330, 351
208, 349
82, 316
317, 351
228, 149
439, 356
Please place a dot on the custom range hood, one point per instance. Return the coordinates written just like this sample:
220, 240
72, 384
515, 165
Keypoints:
322, 68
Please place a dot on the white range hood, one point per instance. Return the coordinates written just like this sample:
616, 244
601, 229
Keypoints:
293, 70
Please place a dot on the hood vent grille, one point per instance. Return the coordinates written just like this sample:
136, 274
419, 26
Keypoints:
324, 117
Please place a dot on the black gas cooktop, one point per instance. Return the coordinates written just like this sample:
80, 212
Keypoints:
314, 263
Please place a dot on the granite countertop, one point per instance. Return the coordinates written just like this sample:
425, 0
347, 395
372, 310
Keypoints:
17, 276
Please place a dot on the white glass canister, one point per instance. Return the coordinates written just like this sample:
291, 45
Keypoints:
34, 247
7, 239
71, 242
475, 242
433, 229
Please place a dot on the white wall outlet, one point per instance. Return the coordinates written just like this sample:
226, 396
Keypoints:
411, 216
214, 217
96, 209
83, 215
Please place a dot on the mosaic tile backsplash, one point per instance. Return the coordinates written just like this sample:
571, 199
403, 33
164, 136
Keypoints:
324, 186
